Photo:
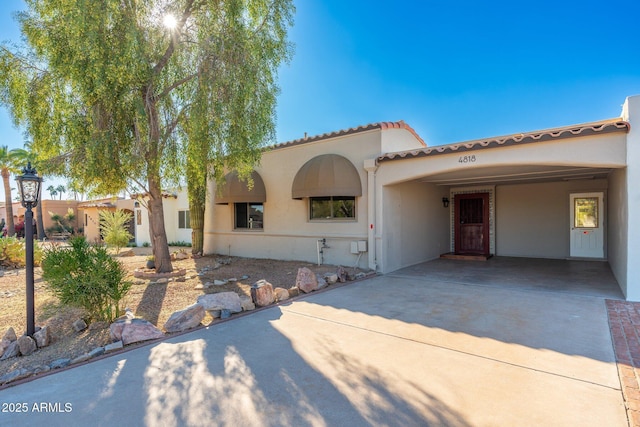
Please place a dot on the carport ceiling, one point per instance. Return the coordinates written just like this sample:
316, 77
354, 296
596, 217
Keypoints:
515, 174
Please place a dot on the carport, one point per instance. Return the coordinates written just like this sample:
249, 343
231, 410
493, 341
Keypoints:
557, 194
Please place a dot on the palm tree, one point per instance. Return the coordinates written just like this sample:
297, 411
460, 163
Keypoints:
10, 162
52, 191
60, 189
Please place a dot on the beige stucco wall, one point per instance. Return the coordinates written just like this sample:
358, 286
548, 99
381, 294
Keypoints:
631, 112
532, 220
170, 206
617, 237
414, 224
288, 233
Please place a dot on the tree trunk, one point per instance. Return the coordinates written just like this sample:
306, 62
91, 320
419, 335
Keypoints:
8, 203
40, 221
159, 237
197, 227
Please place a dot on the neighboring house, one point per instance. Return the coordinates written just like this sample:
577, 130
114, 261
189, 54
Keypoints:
177, 218
376, 196
89, 215
60, 207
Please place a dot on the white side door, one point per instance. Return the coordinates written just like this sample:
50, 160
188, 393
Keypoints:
587, 225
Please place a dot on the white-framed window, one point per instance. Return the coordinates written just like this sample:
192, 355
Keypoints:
248, 216
184, 219
332, 207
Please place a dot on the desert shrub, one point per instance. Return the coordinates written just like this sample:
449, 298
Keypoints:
114, 228
180, 243
86, 276
63, 223
13, 252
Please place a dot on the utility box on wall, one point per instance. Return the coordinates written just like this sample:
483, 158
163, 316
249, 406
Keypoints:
358, 246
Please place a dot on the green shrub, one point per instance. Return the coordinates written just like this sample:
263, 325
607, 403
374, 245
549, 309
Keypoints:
180, 243
13, 252
85, 276
114, 228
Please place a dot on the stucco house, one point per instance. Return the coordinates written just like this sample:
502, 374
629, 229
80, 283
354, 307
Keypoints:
89, 215
177, 217
376, 196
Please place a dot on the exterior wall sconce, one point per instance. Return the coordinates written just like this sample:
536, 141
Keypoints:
445, 202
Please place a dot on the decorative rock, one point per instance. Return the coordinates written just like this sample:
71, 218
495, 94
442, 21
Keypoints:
4, 344
60, 363
221, 300
342, 274
293, 291
181, 255
162, 280
43, 337
262, 293
12, 351
40, 369
322, 283
130, 331
331, 278
247, 303
306, 280
219, 282
232, 279
10, 335
113, 347
360, 275
80, 359
18, 374
281, 294
216, 313
244, 277
79, 325
181, 279
27, 345
126, 252
185, 319
225, 313
98, 351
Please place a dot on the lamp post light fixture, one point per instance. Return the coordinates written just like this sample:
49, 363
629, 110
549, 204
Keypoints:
29, 187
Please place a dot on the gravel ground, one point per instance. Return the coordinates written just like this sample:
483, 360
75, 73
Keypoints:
152, 301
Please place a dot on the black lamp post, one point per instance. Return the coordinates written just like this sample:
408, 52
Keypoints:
29, 187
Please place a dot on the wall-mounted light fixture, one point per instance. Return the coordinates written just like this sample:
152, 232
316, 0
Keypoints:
445, 202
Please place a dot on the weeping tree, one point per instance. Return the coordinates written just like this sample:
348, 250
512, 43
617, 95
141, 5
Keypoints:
132, 93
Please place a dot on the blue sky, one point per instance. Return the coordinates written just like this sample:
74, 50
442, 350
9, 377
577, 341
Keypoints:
454, 71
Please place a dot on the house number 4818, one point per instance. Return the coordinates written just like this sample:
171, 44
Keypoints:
467, 159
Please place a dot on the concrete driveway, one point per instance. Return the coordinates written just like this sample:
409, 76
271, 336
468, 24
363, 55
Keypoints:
405, 349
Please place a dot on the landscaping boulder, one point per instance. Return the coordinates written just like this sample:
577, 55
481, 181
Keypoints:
342, 274
262, 293
331, 278
247, 303
12, 351
4, 344
281, 294
306, 280
130, 331
18, 374
113, 347
79, 325
43, 337
10, 335
293, 291
185, 319
221, 300
322, 283
27, 345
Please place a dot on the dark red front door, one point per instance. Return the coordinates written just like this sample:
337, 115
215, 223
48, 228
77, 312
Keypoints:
472, 223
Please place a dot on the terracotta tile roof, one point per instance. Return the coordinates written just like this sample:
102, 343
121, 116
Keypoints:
380, 125
586, 129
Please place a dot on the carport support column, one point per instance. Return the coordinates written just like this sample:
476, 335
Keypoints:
631, 113
371, 166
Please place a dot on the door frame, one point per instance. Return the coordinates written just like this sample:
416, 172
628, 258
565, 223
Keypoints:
601, 224
486, 223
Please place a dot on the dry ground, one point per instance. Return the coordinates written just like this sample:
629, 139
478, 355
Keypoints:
154, 302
